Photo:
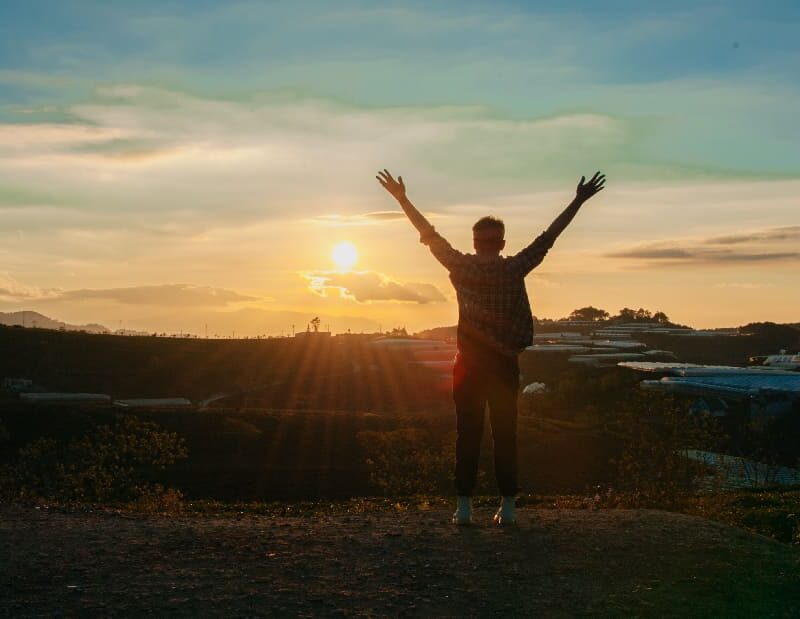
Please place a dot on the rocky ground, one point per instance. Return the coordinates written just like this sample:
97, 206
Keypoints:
555, 563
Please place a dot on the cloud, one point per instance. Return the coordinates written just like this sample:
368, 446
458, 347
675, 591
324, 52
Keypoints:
166, 295
134, 153
653, 253
700, 255
783, 233
13, 290
366, 286
757, 246
362, 219
384, 215
135, 159
744, 285
40, 136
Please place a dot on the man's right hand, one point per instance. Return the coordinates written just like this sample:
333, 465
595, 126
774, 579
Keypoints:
394, 187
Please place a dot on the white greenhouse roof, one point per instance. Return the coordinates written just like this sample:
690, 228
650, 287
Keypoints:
728, 385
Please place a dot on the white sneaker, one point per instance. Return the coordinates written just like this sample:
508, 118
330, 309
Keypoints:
507, 512
463, 513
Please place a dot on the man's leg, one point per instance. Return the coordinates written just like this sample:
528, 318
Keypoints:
470, 400
503, 416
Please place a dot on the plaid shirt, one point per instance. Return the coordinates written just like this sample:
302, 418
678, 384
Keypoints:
493, 307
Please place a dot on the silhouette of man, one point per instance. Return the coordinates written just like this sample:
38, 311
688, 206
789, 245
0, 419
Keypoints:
494, 325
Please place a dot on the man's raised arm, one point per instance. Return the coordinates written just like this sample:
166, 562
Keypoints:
439, 247
398, 189
583, 192
534, 253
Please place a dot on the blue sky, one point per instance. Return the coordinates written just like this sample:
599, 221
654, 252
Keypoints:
142, 129
707, 80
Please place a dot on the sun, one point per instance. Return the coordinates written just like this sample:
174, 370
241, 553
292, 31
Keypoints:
344, 255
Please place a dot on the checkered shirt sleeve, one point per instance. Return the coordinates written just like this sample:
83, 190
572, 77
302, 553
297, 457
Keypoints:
531, 256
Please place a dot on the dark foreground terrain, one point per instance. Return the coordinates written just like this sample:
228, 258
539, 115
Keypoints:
555, 563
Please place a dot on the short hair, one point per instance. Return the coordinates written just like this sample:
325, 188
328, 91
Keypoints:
489, 223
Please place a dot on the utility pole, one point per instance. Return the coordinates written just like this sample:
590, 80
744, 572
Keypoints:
292, 329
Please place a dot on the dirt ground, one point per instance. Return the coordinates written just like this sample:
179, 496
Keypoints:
555, 563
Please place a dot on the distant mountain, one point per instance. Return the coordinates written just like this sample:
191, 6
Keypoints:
29, 318
246, 322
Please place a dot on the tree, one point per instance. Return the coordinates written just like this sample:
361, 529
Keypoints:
626, 314
588, 313
660, 317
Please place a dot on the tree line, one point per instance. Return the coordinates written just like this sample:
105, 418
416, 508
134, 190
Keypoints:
626, 314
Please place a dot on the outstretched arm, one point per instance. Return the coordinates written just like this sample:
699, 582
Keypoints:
398, 189
439, 247
534, 253
583, 192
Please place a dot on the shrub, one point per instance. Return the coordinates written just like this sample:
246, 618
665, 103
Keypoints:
409, 460
158, 499
118, 462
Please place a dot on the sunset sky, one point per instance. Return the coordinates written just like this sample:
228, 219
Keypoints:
169, 165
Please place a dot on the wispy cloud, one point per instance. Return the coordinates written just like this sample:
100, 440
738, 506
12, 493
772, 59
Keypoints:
366, 286
699, 255
744, 285
783, 233
361, 219
166, 295
133, 153
13, 290
757, 246
384, 215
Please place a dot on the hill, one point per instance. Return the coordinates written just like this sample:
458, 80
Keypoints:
556, 563
28, 318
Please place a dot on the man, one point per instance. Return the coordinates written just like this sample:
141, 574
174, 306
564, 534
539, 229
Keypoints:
494, 325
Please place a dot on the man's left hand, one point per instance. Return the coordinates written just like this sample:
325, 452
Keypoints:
587, 190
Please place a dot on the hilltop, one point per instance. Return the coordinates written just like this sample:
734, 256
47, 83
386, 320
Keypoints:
389, 563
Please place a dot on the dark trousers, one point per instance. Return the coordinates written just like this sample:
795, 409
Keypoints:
480, 378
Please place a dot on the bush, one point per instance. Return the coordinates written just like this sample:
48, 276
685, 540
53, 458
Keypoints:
158, 499
409, 460
118, 462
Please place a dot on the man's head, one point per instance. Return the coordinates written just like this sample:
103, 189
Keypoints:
487, 236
